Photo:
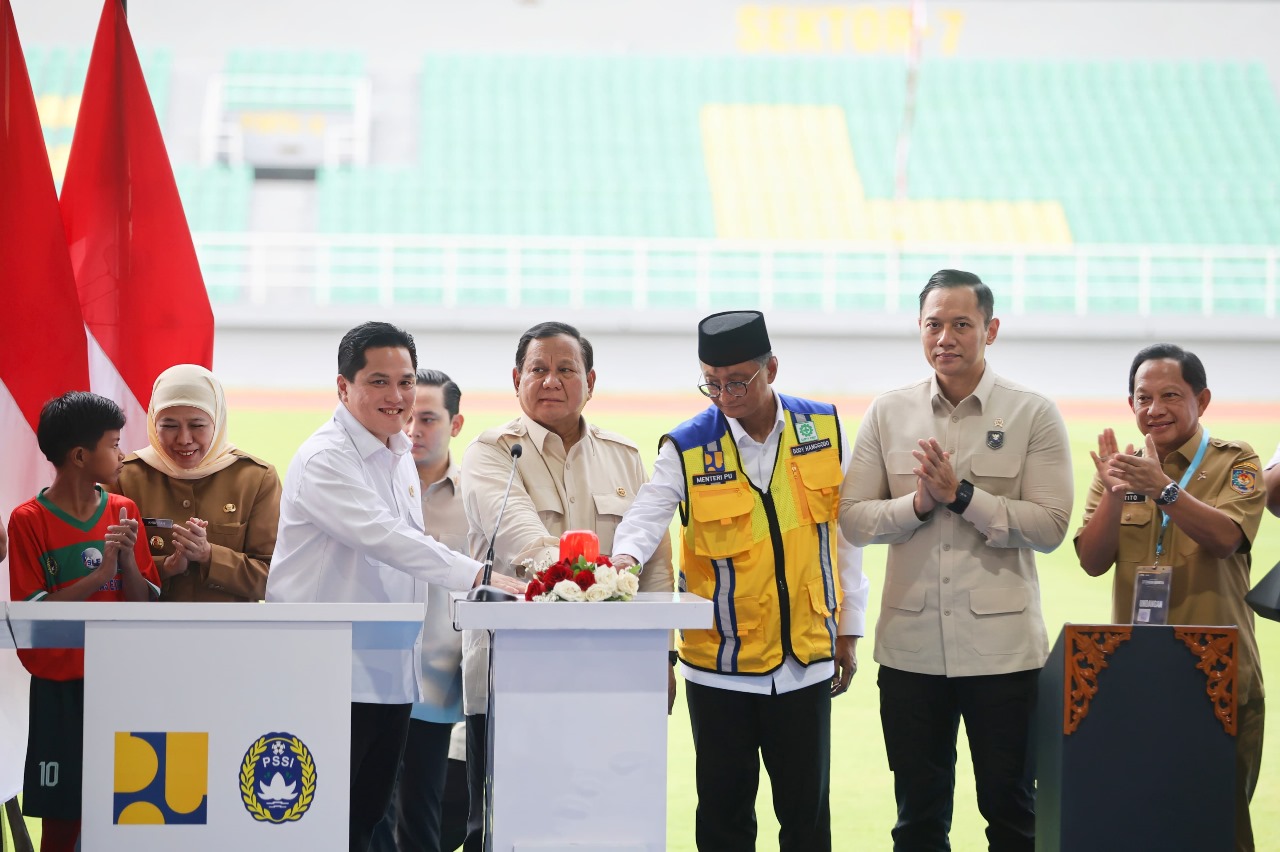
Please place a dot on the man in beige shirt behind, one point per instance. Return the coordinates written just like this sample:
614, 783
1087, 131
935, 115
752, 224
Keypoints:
571, 475
964, 475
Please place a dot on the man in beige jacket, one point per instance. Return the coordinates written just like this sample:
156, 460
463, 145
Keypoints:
965, 475
571, 475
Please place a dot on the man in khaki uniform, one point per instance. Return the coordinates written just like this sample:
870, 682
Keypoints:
571, 475
965, 475
1213, 509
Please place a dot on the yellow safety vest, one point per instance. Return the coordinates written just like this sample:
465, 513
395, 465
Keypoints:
766, 559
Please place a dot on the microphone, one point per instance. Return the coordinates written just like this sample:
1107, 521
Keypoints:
486, 592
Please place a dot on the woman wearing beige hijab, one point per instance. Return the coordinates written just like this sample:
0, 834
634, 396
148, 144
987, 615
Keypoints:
210, 511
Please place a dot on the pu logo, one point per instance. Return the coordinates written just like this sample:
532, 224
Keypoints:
713, 461
161, 778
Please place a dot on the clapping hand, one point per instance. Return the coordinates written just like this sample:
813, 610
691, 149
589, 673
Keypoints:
1141, 474
192, 542
935, 472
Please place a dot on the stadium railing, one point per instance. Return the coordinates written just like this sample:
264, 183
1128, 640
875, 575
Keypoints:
393, 271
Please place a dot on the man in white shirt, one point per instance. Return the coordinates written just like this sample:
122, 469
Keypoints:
351, 529
756, 478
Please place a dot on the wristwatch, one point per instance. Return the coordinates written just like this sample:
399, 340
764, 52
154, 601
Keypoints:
1168, 494
964, 493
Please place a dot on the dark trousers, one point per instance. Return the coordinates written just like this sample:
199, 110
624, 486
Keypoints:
416, 812
921, 715
477, 768
732, 731
377, 741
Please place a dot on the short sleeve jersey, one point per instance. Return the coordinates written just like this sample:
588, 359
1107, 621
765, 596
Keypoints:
50, 550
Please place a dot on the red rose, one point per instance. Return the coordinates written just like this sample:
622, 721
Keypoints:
584, 579
603, 560
556, 573
534, 589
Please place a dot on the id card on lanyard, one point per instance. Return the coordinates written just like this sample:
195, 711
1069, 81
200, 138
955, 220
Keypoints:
1153, 584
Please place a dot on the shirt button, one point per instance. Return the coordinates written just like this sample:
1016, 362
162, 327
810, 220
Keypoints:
186, 504
947, 514
572, 500
946, 579
1127, 517
946, 547
955, 419
946, 612
951, 451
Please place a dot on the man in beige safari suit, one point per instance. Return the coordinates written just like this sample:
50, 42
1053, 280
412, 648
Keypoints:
571, 475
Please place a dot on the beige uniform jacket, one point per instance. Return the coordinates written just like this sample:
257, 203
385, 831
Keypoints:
241, 504
1206, 590
961, 594
444, 520
590, 488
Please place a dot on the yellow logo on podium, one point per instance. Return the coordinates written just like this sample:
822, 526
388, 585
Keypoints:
161, 778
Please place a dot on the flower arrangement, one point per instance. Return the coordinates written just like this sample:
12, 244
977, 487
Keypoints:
577, 579
582, 574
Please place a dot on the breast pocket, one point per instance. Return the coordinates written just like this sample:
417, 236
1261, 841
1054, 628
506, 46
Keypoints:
546, 500
609, 511
995, 472
1138, 526
227, 535
901, 466
998, 624
722, 521
820, 481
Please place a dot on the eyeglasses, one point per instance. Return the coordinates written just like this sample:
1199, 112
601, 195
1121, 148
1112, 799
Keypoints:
713, 390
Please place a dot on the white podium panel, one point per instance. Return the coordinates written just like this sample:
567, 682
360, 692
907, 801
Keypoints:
211, 727
578, 720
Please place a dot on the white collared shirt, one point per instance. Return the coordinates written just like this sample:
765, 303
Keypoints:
648, 518
351, 530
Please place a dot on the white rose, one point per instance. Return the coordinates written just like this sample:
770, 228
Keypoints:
599, 592
628, 584
567, 590
608, 580
606, 573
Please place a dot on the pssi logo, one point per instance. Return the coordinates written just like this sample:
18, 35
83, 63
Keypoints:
161, 778
277, 778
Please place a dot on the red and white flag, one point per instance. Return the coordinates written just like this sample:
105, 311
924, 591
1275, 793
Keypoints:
42, 346
141, 292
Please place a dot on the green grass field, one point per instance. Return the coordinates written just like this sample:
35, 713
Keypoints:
862, 802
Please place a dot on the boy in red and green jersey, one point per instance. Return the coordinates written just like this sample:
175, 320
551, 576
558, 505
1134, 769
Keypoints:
72, 542
52, 551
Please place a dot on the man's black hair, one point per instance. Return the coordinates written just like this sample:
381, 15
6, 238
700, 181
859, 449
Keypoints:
1192, 368
945, 279
543, 330
371, 335
448, 388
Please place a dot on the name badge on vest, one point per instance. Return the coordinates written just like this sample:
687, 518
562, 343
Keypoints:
1151, 589
1132, 497
995, 439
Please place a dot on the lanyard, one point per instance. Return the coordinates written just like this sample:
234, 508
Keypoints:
1186, 477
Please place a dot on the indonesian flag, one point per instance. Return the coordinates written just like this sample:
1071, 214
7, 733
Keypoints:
42, 346
141, 292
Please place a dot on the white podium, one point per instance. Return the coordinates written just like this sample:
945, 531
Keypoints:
211, 727
578, 720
